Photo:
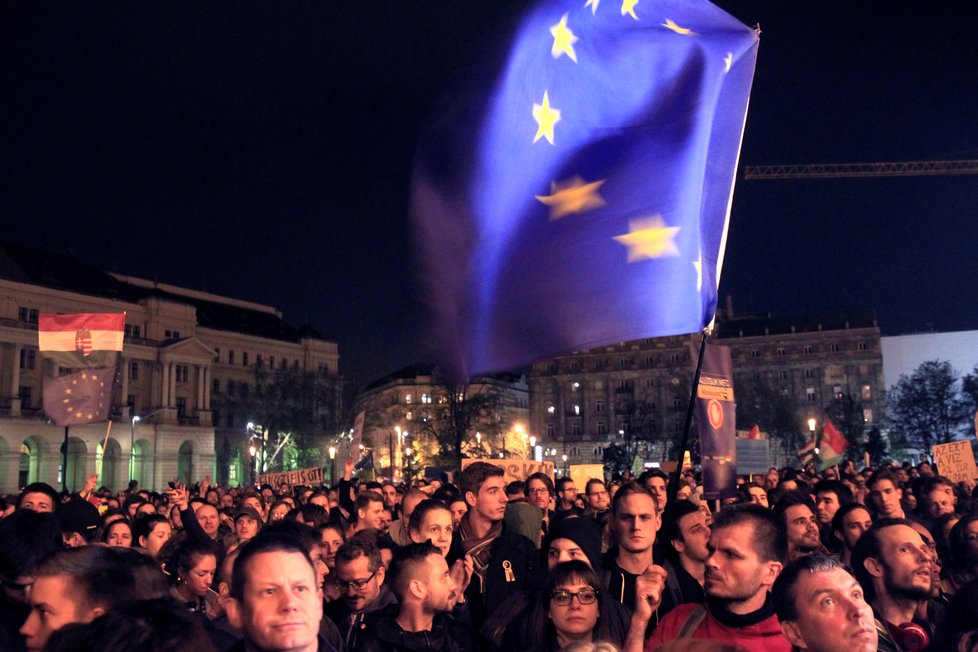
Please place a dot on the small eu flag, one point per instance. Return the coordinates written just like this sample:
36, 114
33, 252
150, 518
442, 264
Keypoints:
586, 200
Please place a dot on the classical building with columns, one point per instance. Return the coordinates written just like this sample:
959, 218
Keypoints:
182, 349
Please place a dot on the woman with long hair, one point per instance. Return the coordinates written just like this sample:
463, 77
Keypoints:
572, 609
151, 532
190, 570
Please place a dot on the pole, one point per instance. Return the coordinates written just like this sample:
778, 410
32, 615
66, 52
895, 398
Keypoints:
678, 473
390, 443
105, 442
132, 445
64, 464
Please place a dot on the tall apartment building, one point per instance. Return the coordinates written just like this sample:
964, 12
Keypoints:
183, 349
400, 402
585, 399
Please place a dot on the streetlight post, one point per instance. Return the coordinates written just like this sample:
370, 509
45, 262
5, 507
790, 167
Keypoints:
566, 472
332, 466
132, 446
254, 462
811, 429
533, 447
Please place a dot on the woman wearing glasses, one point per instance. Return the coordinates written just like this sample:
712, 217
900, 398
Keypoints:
572, 609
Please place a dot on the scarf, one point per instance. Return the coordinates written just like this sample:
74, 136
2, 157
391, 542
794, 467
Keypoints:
479, 548
725, 617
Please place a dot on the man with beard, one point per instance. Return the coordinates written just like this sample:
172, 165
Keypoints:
360, 577
822, 608
894, 566
746, 547
797, 514
597, 501
426, 594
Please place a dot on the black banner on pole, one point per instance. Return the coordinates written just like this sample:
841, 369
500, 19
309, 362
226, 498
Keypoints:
716, 415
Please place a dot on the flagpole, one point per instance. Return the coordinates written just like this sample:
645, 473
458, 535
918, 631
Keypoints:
105, 442
64, 464
677, 475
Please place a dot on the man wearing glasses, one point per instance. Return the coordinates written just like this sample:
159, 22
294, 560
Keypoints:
359, 575
598, 501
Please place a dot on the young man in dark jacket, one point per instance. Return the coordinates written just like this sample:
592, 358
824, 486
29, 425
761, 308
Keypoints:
423, 620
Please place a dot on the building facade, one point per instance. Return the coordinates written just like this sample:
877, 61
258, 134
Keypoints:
589, 399
398, 408
183, 351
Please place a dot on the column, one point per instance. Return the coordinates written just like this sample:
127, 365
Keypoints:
173, 385
207, 388
165, 402
200, 387
15, 383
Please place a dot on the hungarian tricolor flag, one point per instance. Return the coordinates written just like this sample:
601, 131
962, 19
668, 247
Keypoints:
833, 445
90, 342
82, 339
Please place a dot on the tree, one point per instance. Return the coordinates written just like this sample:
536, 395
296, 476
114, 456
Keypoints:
924, 408
773, 411
846, 414
969, 395
292, 410
876, 446
457, 413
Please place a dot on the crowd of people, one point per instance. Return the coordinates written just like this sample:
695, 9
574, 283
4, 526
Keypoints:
879, 559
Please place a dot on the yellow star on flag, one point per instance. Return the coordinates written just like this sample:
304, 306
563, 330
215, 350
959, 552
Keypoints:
628, 7
546, 118
698, 266
593, 4
727, 60
649, 237
573, 196
684, 31
564, 40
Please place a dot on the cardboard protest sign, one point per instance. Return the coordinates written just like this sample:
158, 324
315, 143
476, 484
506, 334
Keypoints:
516, 468
581, 473
955, 461
312, 476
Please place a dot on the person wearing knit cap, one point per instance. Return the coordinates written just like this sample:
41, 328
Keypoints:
574, 538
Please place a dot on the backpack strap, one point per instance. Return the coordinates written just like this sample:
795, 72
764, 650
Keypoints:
692, 621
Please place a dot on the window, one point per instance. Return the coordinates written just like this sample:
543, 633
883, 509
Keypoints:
230, 357
674, 358
323, 369
215, 387
650, 360
258, 361
599, 406
837, 391
131, 402
409, 415
27, 314
810, 394
809, 349
576, 428
552, 368
551, 409
176, 335
232, 388
577, 410
271, 362
283, 363
133, 370
626, 385
602, 428
183, 373
780, 350
861, 346
782, 375
677, 402
27, 358
834, 348
426, 398
809, 373
25, 396
244, 359
408, 398
551, 430
575, 387
755, 353
864, 369
181, 407
295, 364
868, 415
649, 382
867, 392
244, 390
575, 365
133, 330
622, 363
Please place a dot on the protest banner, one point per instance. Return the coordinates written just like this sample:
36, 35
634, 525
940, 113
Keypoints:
515, 468
581, 473
311, 476
955, 460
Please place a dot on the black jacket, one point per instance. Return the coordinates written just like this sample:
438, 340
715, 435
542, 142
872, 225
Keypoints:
447, 634
352, 625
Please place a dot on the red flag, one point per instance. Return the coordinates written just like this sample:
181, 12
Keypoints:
833, 444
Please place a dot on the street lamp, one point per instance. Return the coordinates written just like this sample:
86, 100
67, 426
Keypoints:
566, 473
533, 447
254, 462
811, 430
332, 465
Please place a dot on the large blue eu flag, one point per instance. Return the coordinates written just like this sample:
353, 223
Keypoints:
586, 199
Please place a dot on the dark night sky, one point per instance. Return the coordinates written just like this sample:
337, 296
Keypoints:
263, 151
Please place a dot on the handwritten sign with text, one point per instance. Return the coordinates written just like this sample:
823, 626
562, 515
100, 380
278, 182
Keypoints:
313, 476
955, 461
515, 468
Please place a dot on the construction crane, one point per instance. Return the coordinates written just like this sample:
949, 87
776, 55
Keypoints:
848, 170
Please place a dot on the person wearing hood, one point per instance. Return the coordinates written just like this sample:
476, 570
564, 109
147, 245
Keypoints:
426, 594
